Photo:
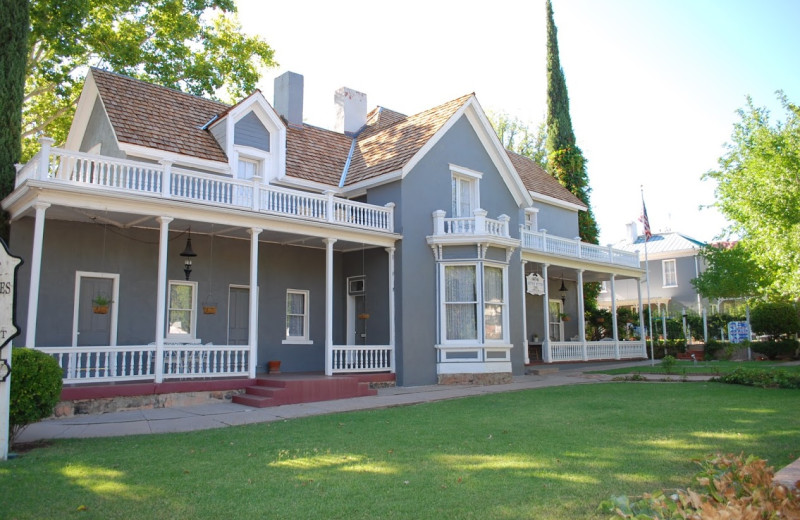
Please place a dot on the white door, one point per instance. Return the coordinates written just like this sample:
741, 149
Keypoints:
556, 324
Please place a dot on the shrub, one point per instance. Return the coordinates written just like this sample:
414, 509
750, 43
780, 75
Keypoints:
774, 349
727, 487
668, 364
35, 388
762, 377
775, 319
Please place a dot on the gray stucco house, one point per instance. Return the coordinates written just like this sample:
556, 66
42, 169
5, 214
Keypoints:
225, 237
674, 260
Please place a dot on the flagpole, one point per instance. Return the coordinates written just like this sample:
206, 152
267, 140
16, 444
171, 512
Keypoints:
646, 223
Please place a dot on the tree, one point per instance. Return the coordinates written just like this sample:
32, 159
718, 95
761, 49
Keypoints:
13, 50
520, 138
193, 45
565, 160
758, 191
730, 273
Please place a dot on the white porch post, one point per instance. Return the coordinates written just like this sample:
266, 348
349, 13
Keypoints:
329, 305
546, 340
161, 295
524, 317
252, 333
614, 316
582, 316
393, 359
641, 320
36, 274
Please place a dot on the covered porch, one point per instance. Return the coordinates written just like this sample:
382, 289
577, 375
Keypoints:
175, 257
556, 271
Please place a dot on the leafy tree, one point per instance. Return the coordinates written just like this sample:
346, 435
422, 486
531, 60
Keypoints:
565, 160
13, 50
775, 319
758, 190
193, 45
520, 138
730, 272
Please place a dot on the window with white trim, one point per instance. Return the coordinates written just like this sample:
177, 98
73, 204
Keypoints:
296, 315
669, 273
474, 303
531, 219
247, 168
182, 310
465, 191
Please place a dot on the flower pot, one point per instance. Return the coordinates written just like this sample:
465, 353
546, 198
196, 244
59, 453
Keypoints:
209, 309
100, 309
274, 367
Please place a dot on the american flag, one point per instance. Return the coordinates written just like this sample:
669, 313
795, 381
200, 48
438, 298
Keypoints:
644, 220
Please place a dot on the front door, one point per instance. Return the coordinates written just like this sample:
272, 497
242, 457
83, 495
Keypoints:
556, 323
356, 311
238, 315
94, 324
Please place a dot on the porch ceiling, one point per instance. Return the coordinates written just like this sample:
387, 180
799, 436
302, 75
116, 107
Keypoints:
570, 274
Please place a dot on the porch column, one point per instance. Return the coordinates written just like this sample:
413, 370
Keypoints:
36, 273
546, 341
524, 317
252, 333
641, 320
161, 295
582, 316
329, 305
614, 316
393, 358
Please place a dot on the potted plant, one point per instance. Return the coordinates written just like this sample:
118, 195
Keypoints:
274, 367
100, 304
564, 317
209, 308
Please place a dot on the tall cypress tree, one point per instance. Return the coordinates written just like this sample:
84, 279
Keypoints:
565, 160
14, 23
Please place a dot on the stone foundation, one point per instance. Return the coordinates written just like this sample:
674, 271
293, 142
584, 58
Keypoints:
497, 378
142, 402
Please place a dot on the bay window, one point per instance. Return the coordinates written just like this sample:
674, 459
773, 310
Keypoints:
474, 303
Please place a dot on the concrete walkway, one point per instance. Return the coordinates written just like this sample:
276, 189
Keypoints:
218, 415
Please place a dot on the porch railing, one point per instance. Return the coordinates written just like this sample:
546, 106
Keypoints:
361, 358
138, 362
561, 351
477, 224
574, 248
165, 181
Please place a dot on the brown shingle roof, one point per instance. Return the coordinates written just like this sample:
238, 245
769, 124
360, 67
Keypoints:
316, 154
158, 117
537, 180
390, 148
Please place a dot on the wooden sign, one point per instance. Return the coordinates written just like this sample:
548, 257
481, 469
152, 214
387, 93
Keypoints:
535, 283
8, 285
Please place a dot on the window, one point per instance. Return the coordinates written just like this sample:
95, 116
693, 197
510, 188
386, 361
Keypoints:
182, 313
556, 309
247, 169
670, 273
464, 294
296, 315
531, 219
466, 193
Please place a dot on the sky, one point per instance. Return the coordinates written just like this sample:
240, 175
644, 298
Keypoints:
654, 85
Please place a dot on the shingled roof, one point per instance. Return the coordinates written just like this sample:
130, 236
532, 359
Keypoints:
158, 117
539, 181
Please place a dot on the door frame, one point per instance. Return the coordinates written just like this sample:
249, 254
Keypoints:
114, 277
351, 306
230, 308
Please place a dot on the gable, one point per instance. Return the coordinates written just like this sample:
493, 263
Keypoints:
250, 131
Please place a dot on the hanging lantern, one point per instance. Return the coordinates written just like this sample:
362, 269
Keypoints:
188, 253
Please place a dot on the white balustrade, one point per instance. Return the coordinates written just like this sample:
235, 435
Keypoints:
361, 358
165, 181
600, 350
475, 225
561, 351
574, 248
137, 362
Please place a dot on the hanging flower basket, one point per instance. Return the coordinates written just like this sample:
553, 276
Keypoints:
100, 304
100, 309
363, 316
210, 308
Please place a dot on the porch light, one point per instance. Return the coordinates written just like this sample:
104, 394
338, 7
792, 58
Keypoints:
188, 253
562, 290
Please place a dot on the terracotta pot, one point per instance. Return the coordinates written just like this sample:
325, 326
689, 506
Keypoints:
209, 309
100, 309
274, 367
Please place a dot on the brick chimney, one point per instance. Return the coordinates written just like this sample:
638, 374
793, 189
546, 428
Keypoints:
288, 100
633, 234
351, 110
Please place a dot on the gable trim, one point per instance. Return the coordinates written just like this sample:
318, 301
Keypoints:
83, 112
556, 202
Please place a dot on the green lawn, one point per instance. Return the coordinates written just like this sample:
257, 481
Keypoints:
711, 368
552, 453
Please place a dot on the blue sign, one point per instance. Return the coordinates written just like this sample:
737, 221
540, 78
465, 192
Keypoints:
738, 331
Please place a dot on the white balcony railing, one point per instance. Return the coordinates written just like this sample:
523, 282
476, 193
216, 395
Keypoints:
477, 224
561, 351
574, 248
167, 182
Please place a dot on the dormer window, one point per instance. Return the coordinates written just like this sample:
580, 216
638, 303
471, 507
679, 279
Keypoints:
248, 168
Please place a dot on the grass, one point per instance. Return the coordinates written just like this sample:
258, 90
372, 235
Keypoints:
552, 453
711, 368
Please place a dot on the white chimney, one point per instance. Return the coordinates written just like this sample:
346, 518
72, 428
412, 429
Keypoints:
351, 110
288, 99
633, 234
